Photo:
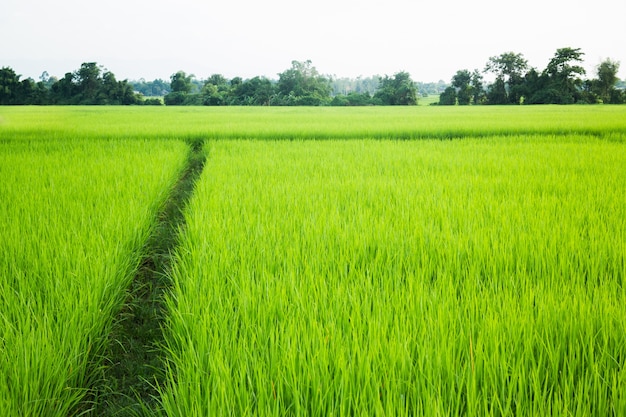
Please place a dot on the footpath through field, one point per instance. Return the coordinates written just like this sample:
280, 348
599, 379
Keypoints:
134, 359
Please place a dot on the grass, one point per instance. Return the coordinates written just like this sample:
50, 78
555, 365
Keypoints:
134, 365
482, 277
329, 264
75, 214
429, 100
293, 123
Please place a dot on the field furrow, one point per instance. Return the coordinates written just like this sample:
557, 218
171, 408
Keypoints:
134, 360
74, 216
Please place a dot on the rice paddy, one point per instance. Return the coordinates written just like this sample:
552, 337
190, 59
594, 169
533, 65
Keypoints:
74, 215
481, 277
372, 261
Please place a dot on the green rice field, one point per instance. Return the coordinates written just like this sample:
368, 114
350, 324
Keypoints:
333, 261
74, 214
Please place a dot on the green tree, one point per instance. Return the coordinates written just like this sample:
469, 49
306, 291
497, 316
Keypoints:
352, 99
509, 69
399, 90
181, 86
257, 91
478, 89
110, 91
448, 97
155, 88
607, 78
564, 75
302, 85
9, 86
508, 65
32, 93
180, 83
216, 91
497, 92
464, 91
89, 83
65, 90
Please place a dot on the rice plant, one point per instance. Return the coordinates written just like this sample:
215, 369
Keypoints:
73, 216
473, 277
289, 123
335, 261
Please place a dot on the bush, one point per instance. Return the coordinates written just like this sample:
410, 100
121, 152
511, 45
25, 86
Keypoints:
153, 102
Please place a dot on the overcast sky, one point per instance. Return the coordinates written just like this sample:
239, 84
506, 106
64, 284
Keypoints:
430, 39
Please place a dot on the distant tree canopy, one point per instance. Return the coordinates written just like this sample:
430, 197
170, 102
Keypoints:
14, 91
88, 85
604, 87
300, 85
560, 82
398, 90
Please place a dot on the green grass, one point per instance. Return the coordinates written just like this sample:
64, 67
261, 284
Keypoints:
134, 365
416, 122
478, 277
330, 264
427, 101
74, 215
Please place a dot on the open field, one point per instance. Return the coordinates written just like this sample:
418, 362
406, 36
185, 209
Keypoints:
73, 217
480, 277
421, 122
333, 261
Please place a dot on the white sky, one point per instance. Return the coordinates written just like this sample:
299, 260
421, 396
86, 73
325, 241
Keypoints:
430, 39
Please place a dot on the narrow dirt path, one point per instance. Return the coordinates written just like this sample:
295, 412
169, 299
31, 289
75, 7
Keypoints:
133, 363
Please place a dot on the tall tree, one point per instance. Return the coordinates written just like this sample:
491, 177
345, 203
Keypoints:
89, 82
31, 92
464, 91
448, 97
302, 85
478, 89
111, 92
607, 78
399, 90
9, 86
65, 90
507, 66
564, 73
215, 91
257, 91
497, 94
180, 82
509, 69
180, 86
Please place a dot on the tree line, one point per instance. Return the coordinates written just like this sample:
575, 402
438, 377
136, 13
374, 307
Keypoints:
561, 82
300, 85
90, 84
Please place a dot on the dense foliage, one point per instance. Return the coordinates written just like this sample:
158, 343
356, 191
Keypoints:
88, 85
560, 82
300, 85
